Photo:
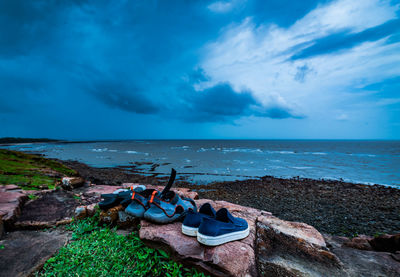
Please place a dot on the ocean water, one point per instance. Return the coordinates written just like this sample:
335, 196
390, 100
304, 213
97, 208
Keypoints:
205, 161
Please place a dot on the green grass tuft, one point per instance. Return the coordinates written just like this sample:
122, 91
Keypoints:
100, 251
30, 171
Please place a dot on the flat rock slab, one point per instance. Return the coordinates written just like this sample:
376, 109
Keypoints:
358, 262
235, 258
26, 251
11, 200
48, 210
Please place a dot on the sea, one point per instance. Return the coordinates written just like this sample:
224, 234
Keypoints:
206, 161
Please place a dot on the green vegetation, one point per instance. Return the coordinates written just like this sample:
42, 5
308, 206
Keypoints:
100, 251
30, 171
32, 197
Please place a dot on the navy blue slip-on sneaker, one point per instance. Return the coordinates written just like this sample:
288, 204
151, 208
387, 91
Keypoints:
221, 229
193, 220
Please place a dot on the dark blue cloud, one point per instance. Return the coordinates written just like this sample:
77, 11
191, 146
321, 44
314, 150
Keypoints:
220, 103
122, 96
345, 40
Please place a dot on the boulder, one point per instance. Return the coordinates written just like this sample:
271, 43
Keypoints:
69, 183
11, 200
293, 249
386, 243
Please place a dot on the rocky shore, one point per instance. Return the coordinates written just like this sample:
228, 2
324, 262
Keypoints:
333, 207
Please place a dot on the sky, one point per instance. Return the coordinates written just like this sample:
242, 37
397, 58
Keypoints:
239, 69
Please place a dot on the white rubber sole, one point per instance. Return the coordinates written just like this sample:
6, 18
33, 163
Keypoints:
213, 241
189, 231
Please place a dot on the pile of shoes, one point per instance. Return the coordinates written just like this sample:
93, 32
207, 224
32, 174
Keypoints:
210, 227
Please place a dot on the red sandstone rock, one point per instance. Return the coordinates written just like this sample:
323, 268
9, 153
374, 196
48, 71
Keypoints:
11, 201
11, 187
293, 249
231, 259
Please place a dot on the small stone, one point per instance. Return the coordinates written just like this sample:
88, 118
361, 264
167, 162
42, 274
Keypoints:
43, 186
91, 209
80, 212
70, 183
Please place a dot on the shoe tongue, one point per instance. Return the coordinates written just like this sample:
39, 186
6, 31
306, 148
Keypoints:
223, 215
207, 209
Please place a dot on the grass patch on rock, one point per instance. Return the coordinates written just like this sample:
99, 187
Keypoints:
100, 251
30, 172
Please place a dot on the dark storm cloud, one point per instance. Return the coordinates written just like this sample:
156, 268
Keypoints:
124, 97
220, 103
345, 40
221, 100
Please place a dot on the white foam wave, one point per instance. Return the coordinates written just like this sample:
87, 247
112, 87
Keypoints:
99, 149
301, 167
241, 150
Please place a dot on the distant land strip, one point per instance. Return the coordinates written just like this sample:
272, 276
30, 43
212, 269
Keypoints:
26, 140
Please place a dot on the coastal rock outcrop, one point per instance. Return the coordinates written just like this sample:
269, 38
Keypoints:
274, 247
49, 209
11, 200
236, 258
358, 262
25, 252
288, 248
